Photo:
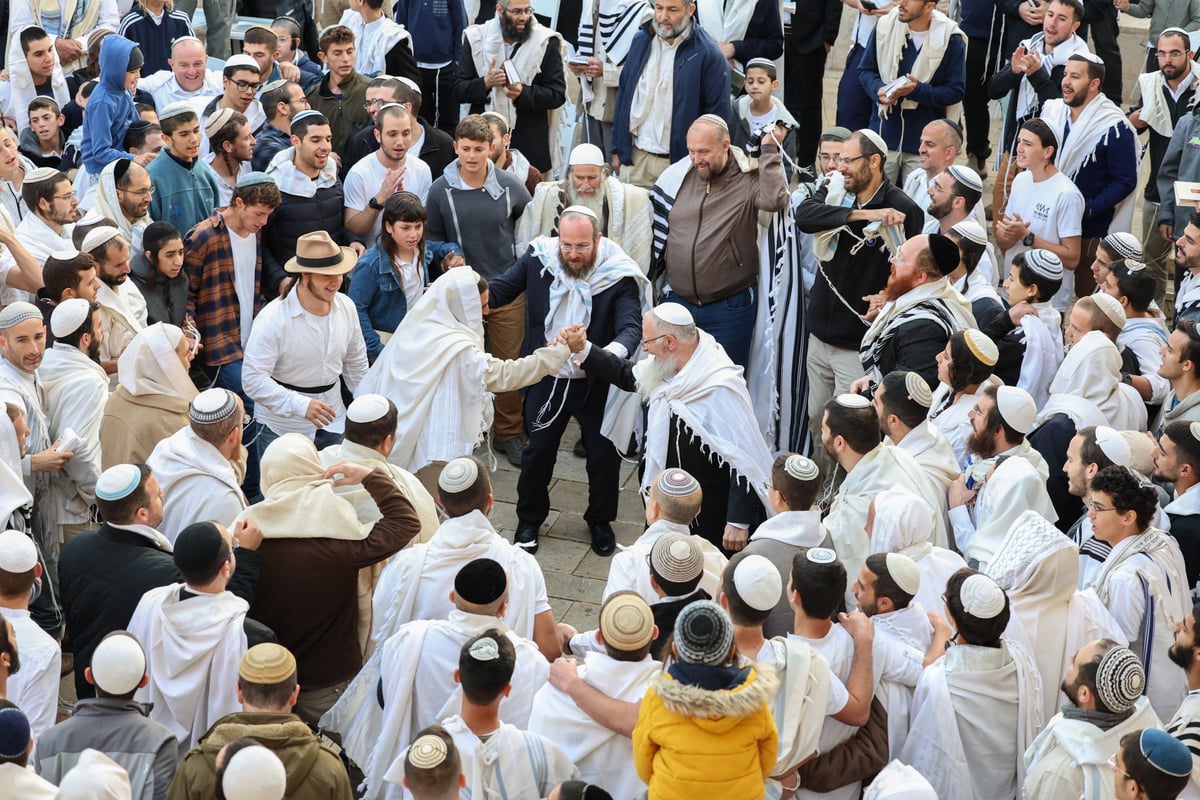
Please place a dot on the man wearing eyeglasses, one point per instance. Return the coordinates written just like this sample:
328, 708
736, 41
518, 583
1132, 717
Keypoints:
512, 65
241, 80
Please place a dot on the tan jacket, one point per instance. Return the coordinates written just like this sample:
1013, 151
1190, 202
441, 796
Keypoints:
133, 424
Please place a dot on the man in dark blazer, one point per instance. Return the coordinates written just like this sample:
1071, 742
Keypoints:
577, 278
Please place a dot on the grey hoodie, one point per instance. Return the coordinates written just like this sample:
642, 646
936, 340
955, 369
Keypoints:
481, 221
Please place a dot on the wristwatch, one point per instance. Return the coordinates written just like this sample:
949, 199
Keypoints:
375, 204
1028, 240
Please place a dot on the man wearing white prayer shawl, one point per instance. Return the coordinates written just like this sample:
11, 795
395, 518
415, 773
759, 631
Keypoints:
436, 369
417, 582
382, 45
1038, 568
904, 529
674, 501
964, 371
370, 433
193, 636
16, 502
124, 197
1092, 370
700, 419
850, 434
1185, 725
409, 682
34, 686
606, 29
196, 465
500, 760
899, 781
978, 707
1008, 478
884, 589
1069, 759
76, 389
622, 671
1142, 582
122, 306
47, 226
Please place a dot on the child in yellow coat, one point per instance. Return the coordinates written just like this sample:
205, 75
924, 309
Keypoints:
705, 728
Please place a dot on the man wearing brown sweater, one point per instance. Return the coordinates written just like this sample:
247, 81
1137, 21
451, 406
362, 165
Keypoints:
309, 591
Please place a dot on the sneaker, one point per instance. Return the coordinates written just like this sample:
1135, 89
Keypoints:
514, 448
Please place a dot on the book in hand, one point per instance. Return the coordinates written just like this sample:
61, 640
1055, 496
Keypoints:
511, 76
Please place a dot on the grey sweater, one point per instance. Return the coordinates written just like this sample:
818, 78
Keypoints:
481, 221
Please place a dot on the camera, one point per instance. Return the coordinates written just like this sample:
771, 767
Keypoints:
754, 144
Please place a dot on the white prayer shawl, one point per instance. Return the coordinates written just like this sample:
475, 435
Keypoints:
709, 396
837, 648
726, 20
936, 301
879, 470
76, 390
950, 415
193, 647
35, 686
619, 23
22, 782
629, 569
418, 581
1185, 724
1013, 487
929, 447
904, 528
108, 204
22, 389
1144, 585
906, 634
14, 494
980, 468
488, 51
797, 528
1092, 371
570, 299
601, 756
974, 713
891, 35
364, 506
1026, 94
198, 483
1038, 568
149, 365
20, 80
123, 310
1043, 340
439, 342
1094, 125
416, 666
800, 704
511, 765
373, 46
1155, 112
1076, 751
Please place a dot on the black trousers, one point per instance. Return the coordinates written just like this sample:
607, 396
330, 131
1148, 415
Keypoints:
549, 405
438, 107
975, 103
803, 85
1104, 42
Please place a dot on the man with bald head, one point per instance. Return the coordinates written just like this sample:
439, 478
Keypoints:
940, 145
189, 76
710, 204
554, 275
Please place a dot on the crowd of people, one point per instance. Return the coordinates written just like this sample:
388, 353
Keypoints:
919, 457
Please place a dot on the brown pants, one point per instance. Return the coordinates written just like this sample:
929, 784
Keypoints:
312, 704
505, 329
428, 476
645, 169
1085, 282
1003, 186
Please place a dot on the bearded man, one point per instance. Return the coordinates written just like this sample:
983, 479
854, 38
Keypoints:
921, 311
622, 208
578, 279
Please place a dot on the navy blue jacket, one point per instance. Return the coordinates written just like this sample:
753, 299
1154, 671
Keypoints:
701, 87
436, 28
902, 128
1106, 178
616, 312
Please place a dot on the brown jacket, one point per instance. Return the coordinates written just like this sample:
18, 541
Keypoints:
133, 424
309, 589
712, 238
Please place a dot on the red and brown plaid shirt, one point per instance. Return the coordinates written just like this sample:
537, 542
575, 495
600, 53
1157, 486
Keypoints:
212, 296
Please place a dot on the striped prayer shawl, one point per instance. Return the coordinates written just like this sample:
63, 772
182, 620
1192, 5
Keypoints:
618, 22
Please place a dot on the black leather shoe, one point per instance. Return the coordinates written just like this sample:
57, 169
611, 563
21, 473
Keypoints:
526, 538
604, 541
579, 450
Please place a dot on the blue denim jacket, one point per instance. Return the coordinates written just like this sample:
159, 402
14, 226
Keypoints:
376, 291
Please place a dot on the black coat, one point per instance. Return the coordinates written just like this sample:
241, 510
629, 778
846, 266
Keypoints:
294, 217
102, 576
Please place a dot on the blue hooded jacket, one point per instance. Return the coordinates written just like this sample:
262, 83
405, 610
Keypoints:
110, 110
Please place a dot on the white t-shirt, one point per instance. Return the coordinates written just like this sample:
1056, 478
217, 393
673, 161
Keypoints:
1053, 209
245, 256
762, 122
366, 176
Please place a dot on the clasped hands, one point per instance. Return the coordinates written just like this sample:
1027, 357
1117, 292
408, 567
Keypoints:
573, 336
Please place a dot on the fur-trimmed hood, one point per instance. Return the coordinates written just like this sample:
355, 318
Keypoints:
721, 709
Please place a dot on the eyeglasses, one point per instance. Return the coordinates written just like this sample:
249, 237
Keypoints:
370, 104
846, 161
1112, 764
147, 192
68, 196
655, 339
1169, 54
301, 100
519, 12
1096, 508
246, 86
576, 248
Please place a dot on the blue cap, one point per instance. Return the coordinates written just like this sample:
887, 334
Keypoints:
14, 733
1165, 753
118, 482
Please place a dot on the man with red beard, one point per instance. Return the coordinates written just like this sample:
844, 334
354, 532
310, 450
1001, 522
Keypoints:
917, 313
578, 278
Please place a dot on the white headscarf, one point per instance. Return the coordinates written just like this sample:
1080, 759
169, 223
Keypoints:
109, 205
150, 364
13, 492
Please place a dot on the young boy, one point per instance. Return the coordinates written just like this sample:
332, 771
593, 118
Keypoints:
1029, 336
342, 93
1145, 331
759, 110
110, 108
42, 142
287, 31
185, 189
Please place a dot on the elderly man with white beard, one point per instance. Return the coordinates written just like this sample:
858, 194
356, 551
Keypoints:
700, 420
584, 280
623, 209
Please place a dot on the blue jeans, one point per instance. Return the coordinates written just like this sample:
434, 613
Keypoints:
322, 440
730, 321
229, 376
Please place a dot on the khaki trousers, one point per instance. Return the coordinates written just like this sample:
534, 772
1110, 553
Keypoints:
1003, 186
312, 704
898, 165
505, 330
645, 169
831, 370
1157, 253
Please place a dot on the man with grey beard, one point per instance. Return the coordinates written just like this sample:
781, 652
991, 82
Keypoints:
623, 209
511, 64
582, 279
699, 419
